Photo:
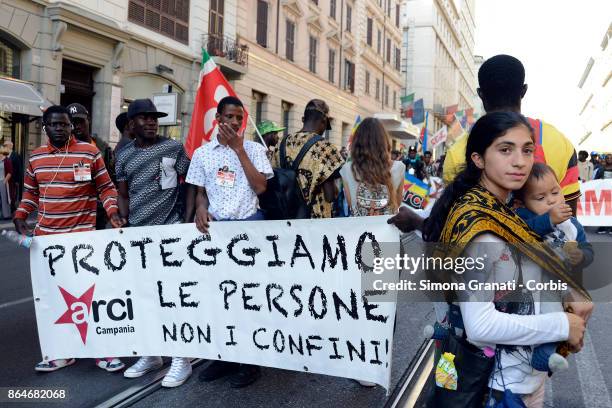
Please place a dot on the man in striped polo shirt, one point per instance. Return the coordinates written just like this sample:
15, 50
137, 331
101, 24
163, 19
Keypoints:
62, 181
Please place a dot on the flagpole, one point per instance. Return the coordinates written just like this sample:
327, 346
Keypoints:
257, 130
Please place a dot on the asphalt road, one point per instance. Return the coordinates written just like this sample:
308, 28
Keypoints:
588, 382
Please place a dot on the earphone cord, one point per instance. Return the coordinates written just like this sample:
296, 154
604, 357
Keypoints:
57, 169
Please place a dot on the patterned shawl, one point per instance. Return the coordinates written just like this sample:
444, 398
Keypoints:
478, 212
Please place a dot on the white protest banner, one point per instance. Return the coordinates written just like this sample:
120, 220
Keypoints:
439, 137
283, 294
595, 205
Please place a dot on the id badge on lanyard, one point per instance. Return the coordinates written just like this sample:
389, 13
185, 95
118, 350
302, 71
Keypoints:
225, 177
82, 171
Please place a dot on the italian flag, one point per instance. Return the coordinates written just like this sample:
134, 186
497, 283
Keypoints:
212, 88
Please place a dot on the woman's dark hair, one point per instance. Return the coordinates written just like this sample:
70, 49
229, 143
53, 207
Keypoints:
485, 131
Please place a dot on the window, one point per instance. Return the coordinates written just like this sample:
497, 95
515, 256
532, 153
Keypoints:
367, 82
377, 89
286, 106
349, 76
168, 18
389, 8
312, 55
389, 50
394, 100
290, 40
9, 63
386, 95
369, 32
331, 69
315, 2
397, 15
332, 9
258, 100
262, 23
215, 17
398, 58
349, 17
379, 42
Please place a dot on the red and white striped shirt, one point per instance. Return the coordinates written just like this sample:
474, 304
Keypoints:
64, 204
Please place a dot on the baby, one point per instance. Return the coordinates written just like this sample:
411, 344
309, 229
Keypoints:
547, 214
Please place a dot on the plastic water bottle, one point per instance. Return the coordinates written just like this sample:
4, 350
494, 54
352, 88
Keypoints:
22, 240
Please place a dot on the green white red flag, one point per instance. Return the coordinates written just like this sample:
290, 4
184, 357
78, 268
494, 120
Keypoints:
212, 88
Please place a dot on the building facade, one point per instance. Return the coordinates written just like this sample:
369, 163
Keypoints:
346, 52
595, 109
438, 55
104, 54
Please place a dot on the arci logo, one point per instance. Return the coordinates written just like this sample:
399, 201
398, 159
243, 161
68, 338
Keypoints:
78, 310
111, 310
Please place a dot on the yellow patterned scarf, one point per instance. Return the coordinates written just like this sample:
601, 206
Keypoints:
478, 211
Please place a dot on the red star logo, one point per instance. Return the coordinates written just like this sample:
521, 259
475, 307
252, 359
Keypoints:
78, 310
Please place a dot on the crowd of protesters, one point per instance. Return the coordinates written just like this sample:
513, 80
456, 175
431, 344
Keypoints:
77, 183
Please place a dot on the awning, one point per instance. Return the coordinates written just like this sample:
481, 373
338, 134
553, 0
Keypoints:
397, 128
21, 97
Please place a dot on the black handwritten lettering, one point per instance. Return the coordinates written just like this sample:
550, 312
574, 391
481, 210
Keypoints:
297, 300
333, 259
311, 305
375, 361
160, 291
212, 252
276, 261
246, 298
231, 334
299, 346
141, 244
275, 342
191, 333
167, 332
52, 259
352, 350
107, 256
165, 254
274, 301
82, 262
246, 251
358, 251
368, 307
335, 356
299, 242
339, 303
183, 295
257, 344
223, 286
312, 346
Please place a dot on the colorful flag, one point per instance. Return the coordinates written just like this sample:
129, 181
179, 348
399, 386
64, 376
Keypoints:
419, 112
425, 132
450, 113
439, 137
416, 192
462, 118
406, 104
469, 113
455, 130
211, 89
354, 129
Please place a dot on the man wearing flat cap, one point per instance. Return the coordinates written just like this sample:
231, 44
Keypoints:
148, 169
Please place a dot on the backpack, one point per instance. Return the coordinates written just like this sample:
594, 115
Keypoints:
283, 198
370, 201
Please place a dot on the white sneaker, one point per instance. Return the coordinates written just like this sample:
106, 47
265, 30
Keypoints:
179, 372
143, 366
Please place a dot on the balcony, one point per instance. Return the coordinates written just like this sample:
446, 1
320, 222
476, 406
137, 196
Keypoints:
231, 57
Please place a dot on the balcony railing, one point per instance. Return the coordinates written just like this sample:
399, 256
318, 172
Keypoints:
226, 47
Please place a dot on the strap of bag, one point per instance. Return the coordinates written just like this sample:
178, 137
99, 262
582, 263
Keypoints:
296, 163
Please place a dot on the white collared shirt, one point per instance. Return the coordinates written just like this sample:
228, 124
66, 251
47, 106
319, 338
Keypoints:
239, 201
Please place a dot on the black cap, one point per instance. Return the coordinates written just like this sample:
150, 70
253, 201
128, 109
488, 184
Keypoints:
144, 107
77, 110
412, 149
121, 120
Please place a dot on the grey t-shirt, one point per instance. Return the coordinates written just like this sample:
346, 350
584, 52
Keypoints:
398, 169
152, 177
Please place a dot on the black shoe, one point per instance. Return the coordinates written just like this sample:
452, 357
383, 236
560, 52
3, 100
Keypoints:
217, 369
246, 375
